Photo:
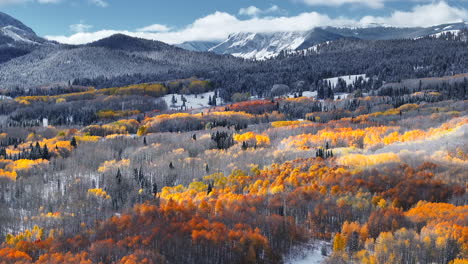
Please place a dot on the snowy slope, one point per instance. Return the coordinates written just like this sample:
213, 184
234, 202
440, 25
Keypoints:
193, 101
266, 45
18, 35
260, 45
349, 79
453, 31
13, 32
16, 39
197, 45
312, 254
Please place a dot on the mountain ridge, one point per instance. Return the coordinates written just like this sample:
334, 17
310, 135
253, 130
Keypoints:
266, 45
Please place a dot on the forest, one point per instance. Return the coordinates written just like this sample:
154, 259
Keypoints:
381, 60
361, 173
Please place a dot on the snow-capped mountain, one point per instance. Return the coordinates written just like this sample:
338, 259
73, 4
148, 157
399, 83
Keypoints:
260, 45
198, 45
266, 45
14, 32
387, 33
16, 39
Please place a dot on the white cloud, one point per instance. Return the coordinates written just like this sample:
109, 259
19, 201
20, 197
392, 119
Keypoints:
422, 15
219, 25
250, 11
272, 9
254, 11
100, 3
369, 3
154, 28
80, 27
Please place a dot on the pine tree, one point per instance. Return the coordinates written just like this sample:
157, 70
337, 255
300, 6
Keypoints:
45, 153
353, 242
209, 189
330, 93
73, 142
244, 145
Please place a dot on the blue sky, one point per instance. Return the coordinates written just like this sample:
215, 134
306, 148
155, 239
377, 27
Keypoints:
81, 21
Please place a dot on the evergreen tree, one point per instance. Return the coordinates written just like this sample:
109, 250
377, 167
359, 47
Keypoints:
73, 142
244, 145
209, 189
45, 153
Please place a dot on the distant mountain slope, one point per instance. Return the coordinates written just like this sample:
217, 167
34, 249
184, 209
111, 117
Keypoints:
267, 45
387, 33
6, 20
197, 45
127, 43
16, 39
260, 45
120, 60
111, 57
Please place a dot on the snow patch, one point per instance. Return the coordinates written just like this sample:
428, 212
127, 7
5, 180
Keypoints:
349, 79
193, 101
312, 254
260, 46
309, 94
242, 42
11, 32
437, 35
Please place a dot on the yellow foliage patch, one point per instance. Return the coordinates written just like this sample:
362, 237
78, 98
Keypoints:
251, 137
362, 161
100, 193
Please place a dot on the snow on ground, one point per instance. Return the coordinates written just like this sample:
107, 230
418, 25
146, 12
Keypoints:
304, 94
437, 35
312, 254
10, 32
340, 96
193, 101
262, 54
349, 79
309, 94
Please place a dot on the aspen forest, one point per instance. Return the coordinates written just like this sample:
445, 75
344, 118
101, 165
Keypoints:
360, 179
289, 132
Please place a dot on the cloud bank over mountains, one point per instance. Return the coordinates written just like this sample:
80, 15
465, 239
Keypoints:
219, 25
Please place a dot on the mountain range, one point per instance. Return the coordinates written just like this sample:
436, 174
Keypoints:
267, 45
27, 60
